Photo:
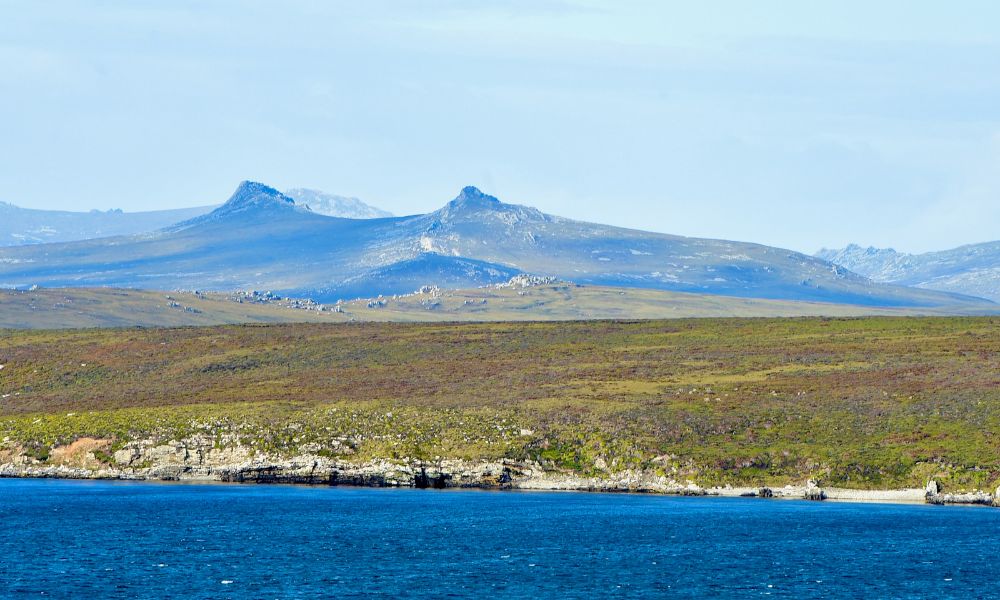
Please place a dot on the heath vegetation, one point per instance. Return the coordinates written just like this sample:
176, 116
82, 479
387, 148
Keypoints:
869, 402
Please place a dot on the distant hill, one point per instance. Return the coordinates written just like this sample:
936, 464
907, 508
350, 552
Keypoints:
336, 206
20, 226
31, 226
70, 308
973, 270
261, 239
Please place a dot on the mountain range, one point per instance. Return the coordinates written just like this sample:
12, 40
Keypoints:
32, 226
262, 239
973, 269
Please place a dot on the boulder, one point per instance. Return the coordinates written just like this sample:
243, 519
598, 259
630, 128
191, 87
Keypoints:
814, 492
126, 456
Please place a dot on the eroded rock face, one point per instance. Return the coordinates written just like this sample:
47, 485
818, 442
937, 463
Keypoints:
12, 455
208, 458
225, 458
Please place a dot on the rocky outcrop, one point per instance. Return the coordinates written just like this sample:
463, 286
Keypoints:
813, 492
977, 497
208, 458
934, 495
203, 457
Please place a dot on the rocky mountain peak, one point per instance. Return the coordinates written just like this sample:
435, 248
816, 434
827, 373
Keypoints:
472, 196
473, 206
249, 198
251, 193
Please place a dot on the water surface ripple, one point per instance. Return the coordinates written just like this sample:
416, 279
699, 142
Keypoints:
73, 539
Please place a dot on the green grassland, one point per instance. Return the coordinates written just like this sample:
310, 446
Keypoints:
567, 301
57, 308
872, 402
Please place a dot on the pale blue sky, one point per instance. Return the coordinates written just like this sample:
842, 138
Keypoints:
797, 124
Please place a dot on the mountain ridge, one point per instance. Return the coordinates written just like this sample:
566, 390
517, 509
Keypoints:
332, 205
264, 241
971, 269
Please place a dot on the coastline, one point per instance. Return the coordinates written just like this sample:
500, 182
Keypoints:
175, 462
663, 407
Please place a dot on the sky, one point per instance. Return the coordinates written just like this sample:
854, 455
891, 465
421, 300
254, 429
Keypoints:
795, 124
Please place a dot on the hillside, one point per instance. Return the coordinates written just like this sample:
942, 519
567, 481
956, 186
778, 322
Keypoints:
874, 402
70, 308
560, 301
973, 269
260, 239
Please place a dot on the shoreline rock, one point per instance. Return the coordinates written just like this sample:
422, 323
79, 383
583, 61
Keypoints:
202, 458
934, 495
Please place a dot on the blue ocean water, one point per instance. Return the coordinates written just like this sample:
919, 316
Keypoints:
68, 539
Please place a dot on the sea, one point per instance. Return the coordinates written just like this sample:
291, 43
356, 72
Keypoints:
100, 539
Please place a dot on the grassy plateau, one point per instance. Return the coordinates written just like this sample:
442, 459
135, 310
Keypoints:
872, 402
